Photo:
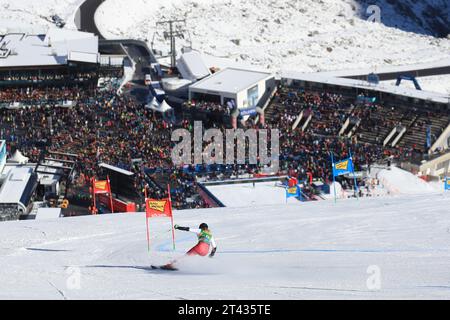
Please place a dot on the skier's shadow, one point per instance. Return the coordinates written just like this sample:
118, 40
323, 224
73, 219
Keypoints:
121, 267
147, 269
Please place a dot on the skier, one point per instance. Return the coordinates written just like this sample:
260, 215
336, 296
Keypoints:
205, 242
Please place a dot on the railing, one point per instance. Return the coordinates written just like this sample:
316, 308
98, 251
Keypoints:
208, 197
442, 141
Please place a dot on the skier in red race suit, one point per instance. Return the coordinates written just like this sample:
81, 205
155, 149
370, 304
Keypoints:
205, 241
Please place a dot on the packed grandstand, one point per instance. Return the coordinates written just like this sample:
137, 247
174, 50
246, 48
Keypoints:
77, 112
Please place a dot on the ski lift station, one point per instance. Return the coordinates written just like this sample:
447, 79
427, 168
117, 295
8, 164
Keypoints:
243, 87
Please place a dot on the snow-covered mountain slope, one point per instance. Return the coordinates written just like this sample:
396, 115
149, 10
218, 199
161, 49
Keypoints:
304, 35
368, 249
36, 13
430, 17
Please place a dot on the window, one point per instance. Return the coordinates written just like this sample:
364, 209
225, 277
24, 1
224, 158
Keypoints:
253, 96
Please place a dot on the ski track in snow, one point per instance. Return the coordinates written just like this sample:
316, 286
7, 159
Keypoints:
294, 251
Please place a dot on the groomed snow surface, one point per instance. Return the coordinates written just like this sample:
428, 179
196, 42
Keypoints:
317, 250
305, 35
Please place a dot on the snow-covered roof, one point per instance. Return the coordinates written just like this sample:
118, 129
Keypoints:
230, 80
15, 184
56, 47
412, 68
192, 66
117, 169
361, 84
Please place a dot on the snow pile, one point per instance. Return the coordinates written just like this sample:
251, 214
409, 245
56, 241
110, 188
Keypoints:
305, 35
398, 181
340, 192
310, 250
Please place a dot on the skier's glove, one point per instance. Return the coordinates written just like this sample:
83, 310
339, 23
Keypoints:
213, 252
177, 227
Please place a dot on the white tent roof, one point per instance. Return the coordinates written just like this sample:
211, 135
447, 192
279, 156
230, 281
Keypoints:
19, 158
159, 107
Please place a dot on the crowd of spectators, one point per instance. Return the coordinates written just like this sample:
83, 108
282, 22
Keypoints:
328, 111
44, 76
207, 106
103, 127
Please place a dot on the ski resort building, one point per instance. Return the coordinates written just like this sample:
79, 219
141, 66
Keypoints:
244, 88
56, 57
55, 48
16, 191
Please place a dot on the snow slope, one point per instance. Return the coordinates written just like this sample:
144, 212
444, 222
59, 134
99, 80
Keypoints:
304, 35
36, 13
296, 251
425, 16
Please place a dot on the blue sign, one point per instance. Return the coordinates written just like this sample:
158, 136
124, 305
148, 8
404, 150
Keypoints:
367, 100
2, 153
294, 191
447, 183
343, 167
248, 112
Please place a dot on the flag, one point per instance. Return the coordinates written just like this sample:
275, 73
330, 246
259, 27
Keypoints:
294, 191
101, 187
428, 136
343, 167
158, 208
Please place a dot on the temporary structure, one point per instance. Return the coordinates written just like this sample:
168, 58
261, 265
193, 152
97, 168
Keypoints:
19, 158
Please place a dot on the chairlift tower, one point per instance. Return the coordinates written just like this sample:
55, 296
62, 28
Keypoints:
173, 29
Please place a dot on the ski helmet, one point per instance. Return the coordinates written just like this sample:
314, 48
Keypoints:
203, 226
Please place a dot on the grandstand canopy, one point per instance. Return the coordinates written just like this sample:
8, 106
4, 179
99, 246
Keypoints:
245, 87
361, 84
56, 47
